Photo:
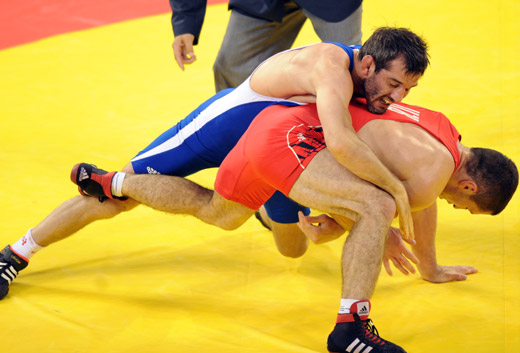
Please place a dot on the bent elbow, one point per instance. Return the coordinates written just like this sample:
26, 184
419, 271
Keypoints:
340, 148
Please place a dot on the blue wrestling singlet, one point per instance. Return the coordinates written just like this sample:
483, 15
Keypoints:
204, 138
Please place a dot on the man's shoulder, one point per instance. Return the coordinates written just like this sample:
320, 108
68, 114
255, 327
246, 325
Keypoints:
431, 166
322, 49
416, 157
330, 58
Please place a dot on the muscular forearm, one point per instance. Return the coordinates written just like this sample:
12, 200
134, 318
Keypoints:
425, 225
357, 157
427, 266
348, 149
361, 160
346, 146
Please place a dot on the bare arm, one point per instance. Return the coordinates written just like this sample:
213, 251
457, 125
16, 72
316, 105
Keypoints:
334, 89
321, 72
425, 224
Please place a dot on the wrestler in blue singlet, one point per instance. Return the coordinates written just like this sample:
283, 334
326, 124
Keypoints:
204, 138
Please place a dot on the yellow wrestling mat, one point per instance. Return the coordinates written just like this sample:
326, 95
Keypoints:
151, 282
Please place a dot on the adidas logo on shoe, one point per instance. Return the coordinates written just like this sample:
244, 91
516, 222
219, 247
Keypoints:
82, 174
363, 308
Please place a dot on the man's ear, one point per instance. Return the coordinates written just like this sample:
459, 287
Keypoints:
468, 186
368, 66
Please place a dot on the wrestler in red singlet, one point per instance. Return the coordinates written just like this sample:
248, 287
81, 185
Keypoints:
281, 141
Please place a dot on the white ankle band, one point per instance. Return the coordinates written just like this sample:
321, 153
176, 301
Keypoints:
344, 307
117, 184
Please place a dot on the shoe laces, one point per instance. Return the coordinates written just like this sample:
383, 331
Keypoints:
371, 332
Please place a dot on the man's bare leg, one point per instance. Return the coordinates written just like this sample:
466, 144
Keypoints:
178, 195
76, 213
61, 223
327, 186
181, 196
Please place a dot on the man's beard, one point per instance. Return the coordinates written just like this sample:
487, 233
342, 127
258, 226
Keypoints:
370, 92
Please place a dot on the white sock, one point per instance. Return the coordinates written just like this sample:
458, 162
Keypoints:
26, 246
344, 307
117, 184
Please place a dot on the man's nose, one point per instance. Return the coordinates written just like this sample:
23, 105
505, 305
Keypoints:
398, 94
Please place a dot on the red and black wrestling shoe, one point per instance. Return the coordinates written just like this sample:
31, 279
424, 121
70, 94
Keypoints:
92, 181
355, 332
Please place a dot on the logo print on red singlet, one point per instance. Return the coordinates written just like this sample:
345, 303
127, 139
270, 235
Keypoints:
408, 112
305, 141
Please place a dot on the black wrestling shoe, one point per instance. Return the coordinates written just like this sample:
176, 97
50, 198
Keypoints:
355, 332
10, 265
92, 181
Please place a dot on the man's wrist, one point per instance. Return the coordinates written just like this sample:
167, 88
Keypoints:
428, 273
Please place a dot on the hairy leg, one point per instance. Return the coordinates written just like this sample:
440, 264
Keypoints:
76, 213
181, 196
327, 186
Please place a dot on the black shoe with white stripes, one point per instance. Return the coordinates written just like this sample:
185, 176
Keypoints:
10, 265
355, 332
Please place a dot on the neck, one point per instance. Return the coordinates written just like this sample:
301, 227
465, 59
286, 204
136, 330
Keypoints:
356, 78
458, 174
464, 156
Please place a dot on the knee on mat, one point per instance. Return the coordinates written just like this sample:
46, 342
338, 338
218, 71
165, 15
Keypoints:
294, 251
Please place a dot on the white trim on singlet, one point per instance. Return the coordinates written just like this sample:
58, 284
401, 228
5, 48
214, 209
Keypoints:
243, 94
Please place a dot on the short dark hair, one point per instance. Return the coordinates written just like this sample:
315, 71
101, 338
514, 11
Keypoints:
496, 177
389, 43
